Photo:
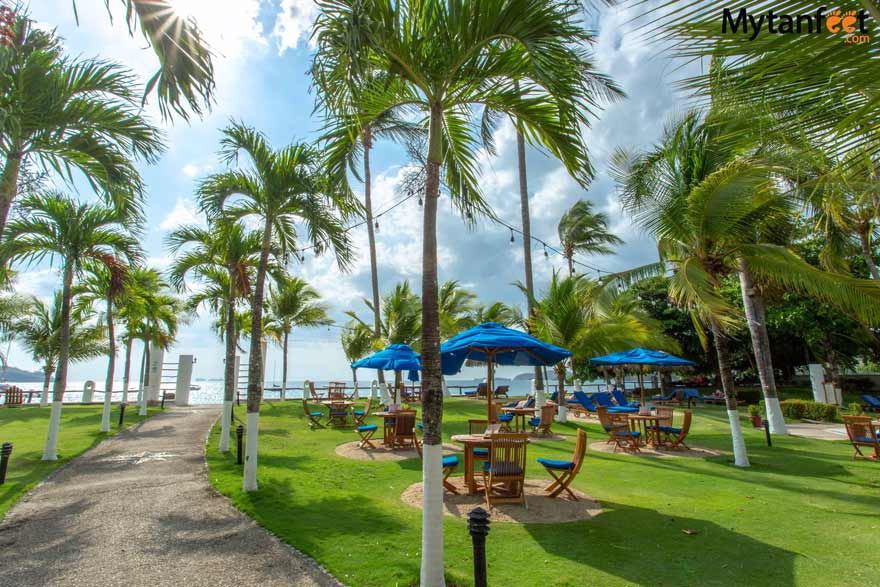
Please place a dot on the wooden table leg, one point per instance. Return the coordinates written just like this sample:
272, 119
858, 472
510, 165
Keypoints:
469, 469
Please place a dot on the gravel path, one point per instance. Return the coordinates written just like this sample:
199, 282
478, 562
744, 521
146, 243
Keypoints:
138, 510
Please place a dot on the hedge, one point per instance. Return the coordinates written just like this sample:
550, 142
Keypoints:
799, 409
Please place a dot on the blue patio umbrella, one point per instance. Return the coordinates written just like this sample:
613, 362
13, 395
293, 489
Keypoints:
493, 343
638, 358
395, 357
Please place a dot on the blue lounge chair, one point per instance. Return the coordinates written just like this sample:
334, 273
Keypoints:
480, 390
584, 403
604, 399
621, 399
554, 396
663, 398
530, 403
871, 402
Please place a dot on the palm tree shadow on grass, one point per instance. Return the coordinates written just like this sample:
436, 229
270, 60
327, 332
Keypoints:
645, 547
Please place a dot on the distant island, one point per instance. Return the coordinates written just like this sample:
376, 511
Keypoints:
22, 376
525, 376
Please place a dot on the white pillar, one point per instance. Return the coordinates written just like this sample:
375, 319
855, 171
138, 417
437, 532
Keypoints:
817, 382
184, 380
88, 392
157, 357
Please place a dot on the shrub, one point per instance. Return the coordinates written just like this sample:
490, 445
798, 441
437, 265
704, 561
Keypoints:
856, 409
802, 409
755, 409
860, 384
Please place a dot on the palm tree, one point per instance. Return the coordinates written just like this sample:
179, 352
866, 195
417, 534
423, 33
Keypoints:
223, 259
710, 209
55, 226
450, 61
293, 303
357, 342
456, 308
141, 284
499, 312
66, 115
583, 231
38, 331
840, 111
104, 282
281, 188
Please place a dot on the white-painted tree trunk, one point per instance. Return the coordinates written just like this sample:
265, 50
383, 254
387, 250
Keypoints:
740, 457
142, 400
444, 386
383, 392
775, 417
374, 390
432, 517
44, 398
562, 409
50, 452
225, 423
105, 413
250, 451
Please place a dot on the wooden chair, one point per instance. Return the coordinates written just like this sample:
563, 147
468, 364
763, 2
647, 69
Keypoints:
479, 427
405, 428
501, 390
675, 436
313, 416
336, 390
862, 433
360, 416
664, 415
564, 472
450, 464
541, 424
619, 431
338, 414
504, 474
14, 396
366, 432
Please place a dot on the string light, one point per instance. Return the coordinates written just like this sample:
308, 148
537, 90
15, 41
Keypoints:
546, 254
377, 226
420, 202
512, 240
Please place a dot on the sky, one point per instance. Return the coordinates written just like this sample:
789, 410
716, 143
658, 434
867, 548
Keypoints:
262, 58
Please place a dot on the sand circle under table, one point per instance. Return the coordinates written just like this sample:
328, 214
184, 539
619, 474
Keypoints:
694, 452
541, 509
351, 450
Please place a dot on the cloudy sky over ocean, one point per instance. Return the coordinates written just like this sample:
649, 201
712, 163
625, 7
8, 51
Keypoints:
263, 54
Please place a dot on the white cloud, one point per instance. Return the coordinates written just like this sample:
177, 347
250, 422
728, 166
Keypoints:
293, 24
194, 170
184, 212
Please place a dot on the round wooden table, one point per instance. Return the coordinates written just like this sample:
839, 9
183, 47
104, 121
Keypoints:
648, 425
470, 442
339, 404
519, 416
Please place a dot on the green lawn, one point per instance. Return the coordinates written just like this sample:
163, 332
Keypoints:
804, 514
25, 428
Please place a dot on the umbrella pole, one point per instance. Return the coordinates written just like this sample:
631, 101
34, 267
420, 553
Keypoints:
489, 387
644, 405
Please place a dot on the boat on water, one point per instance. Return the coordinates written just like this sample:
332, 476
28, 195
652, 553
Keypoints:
195, 387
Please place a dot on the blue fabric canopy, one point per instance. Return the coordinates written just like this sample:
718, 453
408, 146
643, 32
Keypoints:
505, 345
395, 357
642, 357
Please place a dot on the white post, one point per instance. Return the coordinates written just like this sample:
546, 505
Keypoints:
817, 382
561, 408
88, 392
184, 379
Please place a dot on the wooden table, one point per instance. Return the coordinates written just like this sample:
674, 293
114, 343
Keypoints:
470, 442
648, 425
337, 403
519, 416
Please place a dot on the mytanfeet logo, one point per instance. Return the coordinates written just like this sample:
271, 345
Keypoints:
852, 25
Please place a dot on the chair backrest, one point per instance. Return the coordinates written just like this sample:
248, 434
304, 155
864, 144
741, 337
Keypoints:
306, 407
602, 399
604, 420
14, 395
405, 424
860, 429
477, 426
585, 401
554, 396
507, 455
619, 397
367, 406
502, 389
481, 388
664, 415
871, 401
530, 403
547, 414
494, 410
686, 423
580, 451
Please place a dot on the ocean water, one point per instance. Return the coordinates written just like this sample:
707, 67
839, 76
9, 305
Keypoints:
211, 392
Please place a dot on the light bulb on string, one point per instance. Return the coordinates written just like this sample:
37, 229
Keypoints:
376, 224
512, 240
546, 255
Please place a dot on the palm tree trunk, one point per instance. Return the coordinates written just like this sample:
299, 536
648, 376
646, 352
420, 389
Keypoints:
867, 253
50, 452
371, 236
111, 367
230, 377
527, 240
284, 366
255, 365
145, 379
8, 186
47, 381
561, 412
126, 371
432, 392
740, 457
753, 302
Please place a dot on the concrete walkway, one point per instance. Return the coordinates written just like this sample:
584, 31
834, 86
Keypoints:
138, 510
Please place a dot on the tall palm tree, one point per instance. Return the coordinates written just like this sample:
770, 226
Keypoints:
71, 114
141, 284
105, 282
357, 342
55, 226
38, 331
282, 188
293, 303
499, 312
711, 206
452, 60
223, 259
456, 308
583, 231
